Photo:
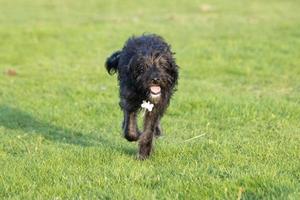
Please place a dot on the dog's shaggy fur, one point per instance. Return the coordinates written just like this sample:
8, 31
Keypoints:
146, 71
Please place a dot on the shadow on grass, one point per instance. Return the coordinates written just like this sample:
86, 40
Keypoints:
13, 118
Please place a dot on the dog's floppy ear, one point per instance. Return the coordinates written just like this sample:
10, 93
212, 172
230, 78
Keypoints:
173, 70
112, 62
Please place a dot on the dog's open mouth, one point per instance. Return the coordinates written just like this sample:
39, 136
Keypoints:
155, 91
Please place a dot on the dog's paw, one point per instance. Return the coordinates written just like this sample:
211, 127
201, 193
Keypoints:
142, 157
145, 150
132, 137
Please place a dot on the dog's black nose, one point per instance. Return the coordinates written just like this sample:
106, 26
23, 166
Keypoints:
155, 80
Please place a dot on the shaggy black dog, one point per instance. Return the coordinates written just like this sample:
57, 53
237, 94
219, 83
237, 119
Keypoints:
147, 72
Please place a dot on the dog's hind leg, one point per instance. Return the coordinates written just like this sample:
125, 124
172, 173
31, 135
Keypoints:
158, 130
129, 126
145, 143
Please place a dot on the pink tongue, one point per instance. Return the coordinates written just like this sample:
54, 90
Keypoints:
155, 89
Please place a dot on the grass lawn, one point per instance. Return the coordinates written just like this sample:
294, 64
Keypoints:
239, 87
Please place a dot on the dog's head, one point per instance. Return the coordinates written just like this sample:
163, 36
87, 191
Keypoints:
155, 75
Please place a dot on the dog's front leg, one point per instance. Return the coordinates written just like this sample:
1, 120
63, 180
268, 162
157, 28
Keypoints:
145, 143
130, 128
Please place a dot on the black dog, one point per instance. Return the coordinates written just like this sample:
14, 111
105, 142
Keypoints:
147, 72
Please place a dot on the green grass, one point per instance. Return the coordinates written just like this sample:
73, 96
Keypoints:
60, 135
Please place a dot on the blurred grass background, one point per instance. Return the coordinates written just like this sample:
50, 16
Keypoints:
60, 134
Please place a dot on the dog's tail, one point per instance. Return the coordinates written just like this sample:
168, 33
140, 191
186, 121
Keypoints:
112, 62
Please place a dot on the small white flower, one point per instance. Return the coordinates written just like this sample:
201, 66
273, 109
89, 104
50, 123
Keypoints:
147, 105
